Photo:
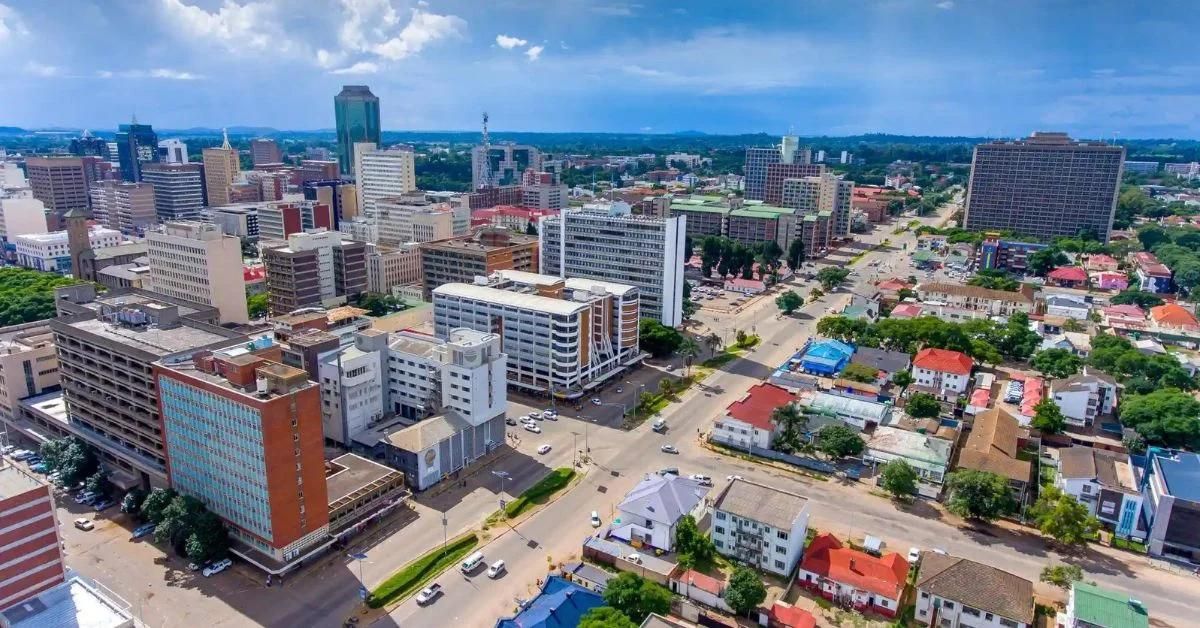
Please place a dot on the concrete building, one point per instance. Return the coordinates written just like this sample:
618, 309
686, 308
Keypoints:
59, 183
747, 422
815, 195
28, 364
137, 145
1152, 275
51, 252
1046, 186
1171, 503
650, 511
1089, 606
1141, 167
1108, 483
356, 114
127, 207
460, 260
945, 373
197, 262
498, 165
543, 193
173, 151
381, 174
993, 445
21, 215
927, 454
562, 336
594, 243
240, 221
340, 195
32, 554
983, 302
243, 435
428, 375
221, 169
106, 345
411, 217
354, 386
264, 151
178, 190
1082, 398
757, 161
954, 592
314, 268
387, 267
763, 526
278, 221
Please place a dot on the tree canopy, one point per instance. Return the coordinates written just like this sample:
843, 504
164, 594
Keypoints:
995, 280
923, 406
1056, 363
657, 339
691, 545
898, 478
745, 591
789, 301
1166, 417
636, 597
832, 277
605, 617
1047, 417
1061, 576
983, 339
978, 495
28, 295
860, 373
1063, 517
839, 441
1140, 373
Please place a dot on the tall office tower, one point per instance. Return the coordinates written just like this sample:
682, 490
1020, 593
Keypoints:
316, 170
757, 160
384, 173
90, 145
356, 111
237, 413
778, 173
59, 183
502, 164
460, 260
271, 185
315, 268
559, 334
126, 207
21, 215
178, 189
265, 151
541, 192
196, 261
790, 151
394, 219
221, 168
820, 194
173, 151
97, 169
32, 554
1045, 186
137, 145
106, 345
597, 243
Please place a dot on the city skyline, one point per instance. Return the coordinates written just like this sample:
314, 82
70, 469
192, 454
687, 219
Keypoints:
897, 66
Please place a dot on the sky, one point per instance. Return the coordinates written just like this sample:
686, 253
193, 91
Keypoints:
1093, 68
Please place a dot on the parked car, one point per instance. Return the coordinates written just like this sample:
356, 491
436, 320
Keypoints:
143, 530
533, 428
84, 524
669, 449
730, 478
544, 449
595, 519
669, 471
429, 593
914, 555
496, 569
549, 412
702, 479
217, 567
34, 459
22, 454
103, 504
38, 468
509, 421
595, 401
7, 449
86, 498
535, 415
198, 566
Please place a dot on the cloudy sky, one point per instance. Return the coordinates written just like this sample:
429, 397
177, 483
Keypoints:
838, 67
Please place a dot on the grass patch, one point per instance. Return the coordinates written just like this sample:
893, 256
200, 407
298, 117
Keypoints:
1129, 545
823, 603
415, 574
554, 482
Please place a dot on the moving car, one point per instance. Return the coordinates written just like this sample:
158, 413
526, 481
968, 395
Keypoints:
730, 478
84, 524
496, 569
86, 498
669, 449
533, 428
103, 504
595, 519
595, 401
659, 426
217, 567
669, 471
914, 555
471, 562
429, 593
143, 530
544, 449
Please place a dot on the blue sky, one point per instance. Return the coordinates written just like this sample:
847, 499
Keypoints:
940, 67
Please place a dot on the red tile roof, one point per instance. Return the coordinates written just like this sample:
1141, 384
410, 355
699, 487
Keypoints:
1068, 273
884, 576
944, 361
758, 404
906, 310
789, 616
1128, 309
893, 284
703, 582
1173, 315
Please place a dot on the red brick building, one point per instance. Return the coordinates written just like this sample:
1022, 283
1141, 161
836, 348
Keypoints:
31, 556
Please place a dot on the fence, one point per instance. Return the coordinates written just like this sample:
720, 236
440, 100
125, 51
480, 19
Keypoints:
805, 462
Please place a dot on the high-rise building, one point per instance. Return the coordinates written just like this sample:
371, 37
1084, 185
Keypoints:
32, 552
172, 151
28, 364
137, 144
243, 435
354, 390
221, 169
382, 174
356, 111
495, 165
315, 268
277, 221
543, 193
238, 220
88, 144
58, 182
559, 334
196, 261
597, 243
21, 215
178, 189
394, 219
821, 193
1045, 186
264, 151
757, 160
780, 172
460, 260
124, 206
390, 267
106, 346
339, 194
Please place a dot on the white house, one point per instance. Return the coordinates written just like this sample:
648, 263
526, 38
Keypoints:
648, 514
760, 525
1081, 398
946, 373
953, 592
747, 422
1068, 306
1107, 483
699, 587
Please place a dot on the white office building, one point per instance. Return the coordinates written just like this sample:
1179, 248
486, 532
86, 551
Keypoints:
382, 174
465, 372
1081, 398
50, 252
197, 262
173, 151
354, 390
21, 215
760, 525
603, 242
411, 217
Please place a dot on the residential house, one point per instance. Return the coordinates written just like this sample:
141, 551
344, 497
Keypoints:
886, 363
907, 310
1152, 275
953, 592
747, 422
559, 603
1101, 263
1124, 317
784, 615
825, 357
1090, 606
853, 388
1074, 306
1083, 397
890, 289
1068, 277
1031, 395
853, 411
984, 302
1171, 503
760, 525
1173, 316
942, 372
1149, 346
587, 576
745, 286
1078, 343
1110, 280
699, 587
650, 511
862, 307
993, 446
927, 454
1107, 483
848, 576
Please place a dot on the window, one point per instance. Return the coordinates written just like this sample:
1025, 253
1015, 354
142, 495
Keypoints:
720, 516
948, 604
718, 543
719, 529
973, 612
924, 595
1008, 623
988, 616
1087, 489
779, 564
781, 535
779, 549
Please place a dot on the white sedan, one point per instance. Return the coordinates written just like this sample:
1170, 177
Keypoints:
533, 428
544, 449
596, 400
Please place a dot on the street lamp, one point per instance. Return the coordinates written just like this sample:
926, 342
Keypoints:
503, 475
359, 557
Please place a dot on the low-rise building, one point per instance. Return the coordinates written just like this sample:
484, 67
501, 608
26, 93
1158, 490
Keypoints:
993, 446
851, 410
825, 357
747, 422
953, 592
50, 252
559, 603
1152, 275
945, 373
1073, 306
1083, 397
1107, 483
928, 455
983, 301
847, 576
763, 526
1174, 317
1090, 606
1068, 277
28, 364
650, 512
1171, 504
886, 363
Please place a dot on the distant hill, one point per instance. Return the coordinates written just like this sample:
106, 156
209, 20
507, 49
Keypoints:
12, 130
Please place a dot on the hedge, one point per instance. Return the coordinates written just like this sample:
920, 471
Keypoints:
415, 574
555, 481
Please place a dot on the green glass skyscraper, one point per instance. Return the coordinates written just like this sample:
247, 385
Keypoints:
357, 112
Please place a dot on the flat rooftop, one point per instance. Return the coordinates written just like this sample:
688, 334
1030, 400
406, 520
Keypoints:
154, 340
72, 604
131, 248
128, 299
514, 299
473, 244
352, 474
14, 481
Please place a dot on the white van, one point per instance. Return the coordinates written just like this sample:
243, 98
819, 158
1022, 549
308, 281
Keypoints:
496, 569
659, 425
472, 562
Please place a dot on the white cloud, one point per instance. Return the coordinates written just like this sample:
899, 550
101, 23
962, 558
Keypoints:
155, 73
40, 69
423, 29
945, 5
362, 67
249, 27
104, 74
508, 43
327, 59
10, 24
534, 53
616, 9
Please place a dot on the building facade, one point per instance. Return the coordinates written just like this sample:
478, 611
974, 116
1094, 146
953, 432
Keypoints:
127, 207
356, 112
178, 190
760, 525
387, 268
460, 260
31, 555
137, 145
315, 268
265, 151
58, 182
197, 262
383, 174
28, 364
51, 252
221, 169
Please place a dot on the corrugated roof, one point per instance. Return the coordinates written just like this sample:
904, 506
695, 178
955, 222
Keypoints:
992, 446
758, 404
1108, 608
885, 576
944, 361
764, 504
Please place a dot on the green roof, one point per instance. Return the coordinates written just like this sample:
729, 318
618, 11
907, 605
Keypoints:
708, 198
676, 207
765, 211
922, 256
1103, 607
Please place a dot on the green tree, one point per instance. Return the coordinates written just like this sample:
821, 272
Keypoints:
208, 538
689, 349
605, 617
832, 277
898, 478
97, 482
902, 379
1063, 517
713, 342
1166, 417
75, 462
531, 229
1048, 418
923, 406
1151, 236
636, 597
1057, 363
178, 521
979, 495
53, 452
132, 502
860, 373
1042, 262
28, 295
258, 305
156, 504
742, 338
1062, 576
792, 425
789, 301
745, 591
839, 441
1073, 325
691, 545
657, 339
795, 254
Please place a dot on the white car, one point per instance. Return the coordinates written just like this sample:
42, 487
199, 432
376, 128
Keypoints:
428, 594
84, 524
534, 415
703, 480
595, 519
669, 449
544, 449
595, 401
730, 478
914, 554
549, 412
217, 567
533, 428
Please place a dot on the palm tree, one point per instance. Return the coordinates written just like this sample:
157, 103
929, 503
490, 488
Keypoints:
713, 341
689, 350
792, 424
